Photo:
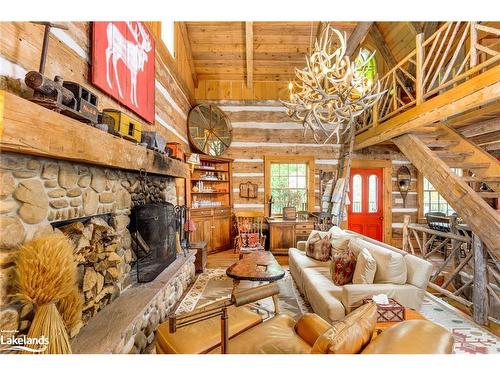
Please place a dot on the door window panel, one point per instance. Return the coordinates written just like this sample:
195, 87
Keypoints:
372, 193
357, 193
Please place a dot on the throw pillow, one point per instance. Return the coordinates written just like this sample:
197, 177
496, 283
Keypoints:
342, 267
340, 240
365, 269
313, 235
318, 247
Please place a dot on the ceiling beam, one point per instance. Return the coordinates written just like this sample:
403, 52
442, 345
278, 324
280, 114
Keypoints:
189, 52
357, 37
249, 52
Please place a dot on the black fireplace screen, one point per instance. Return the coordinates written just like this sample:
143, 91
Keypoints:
153, 228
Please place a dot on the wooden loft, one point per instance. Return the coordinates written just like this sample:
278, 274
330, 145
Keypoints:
446, 81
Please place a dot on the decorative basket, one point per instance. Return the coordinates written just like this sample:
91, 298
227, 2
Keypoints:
392, 312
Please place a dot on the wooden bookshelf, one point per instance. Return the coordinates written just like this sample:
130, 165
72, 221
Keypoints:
210, 200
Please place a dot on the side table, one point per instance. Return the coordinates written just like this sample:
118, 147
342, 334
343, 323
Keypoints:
200, 262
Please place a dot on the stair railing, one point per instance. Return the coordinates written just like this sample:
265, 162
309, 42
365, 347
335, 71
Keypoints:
474, 277
456, 52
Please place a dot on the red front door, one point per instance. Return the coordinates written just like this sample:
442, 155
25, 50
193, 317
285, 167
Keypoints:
365, 213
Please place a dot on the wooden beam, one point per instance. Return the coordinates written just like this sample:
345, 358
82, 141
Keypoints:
415, 27
31, 129
481, 218
381, 46
189, 52
429, 29
357, 37
249, 52
477, 91
480, 297
484, 127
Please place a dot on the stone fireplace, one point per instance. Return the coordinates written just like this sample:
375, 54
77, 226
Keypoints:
92, 206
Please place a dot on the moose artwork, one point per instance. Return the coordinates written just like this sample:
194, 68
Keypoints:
123, 57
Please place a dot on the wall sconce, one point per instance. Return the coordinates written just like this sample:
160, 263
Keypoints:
404, 182
193, 160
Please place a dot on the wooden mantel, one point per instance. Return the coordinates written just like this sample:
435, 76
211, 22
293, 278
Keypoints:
28, 128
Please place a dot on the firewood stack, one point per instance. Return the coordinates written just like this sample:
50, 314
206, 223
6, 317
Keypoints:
102, 262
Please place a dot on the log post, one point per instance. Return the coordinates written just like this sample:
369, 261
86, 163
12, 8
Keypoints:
406, 234
419, 61
473, 40
480, 296
456, 258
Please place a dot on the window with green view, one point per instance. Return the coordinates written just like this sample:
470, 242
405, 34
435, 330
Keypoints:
370, 68
288, 186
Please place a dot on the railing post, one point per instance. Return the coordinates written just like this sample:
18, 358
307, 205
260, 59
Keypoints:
473, 40
480, 297
419, 77
406, 233
375, 113
456, 258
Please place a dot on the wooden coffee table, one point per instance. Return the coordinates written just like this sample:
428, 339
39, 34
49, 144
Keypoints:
257, 266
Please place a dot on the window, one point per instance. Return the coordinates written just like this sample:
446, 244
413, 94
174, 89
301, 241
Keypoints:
290, 183
433, 201
372, 193
167, 35
357, 193
370, 69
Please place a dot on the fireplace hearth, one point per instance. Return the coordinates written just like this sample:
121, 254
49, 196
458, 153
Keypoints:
153, 228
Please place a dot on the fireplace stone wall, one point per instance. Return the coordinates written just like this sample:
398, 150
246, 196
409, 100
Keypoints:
36, 194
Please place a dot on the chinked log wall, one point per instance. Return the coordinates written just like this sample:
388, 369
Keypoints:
69, 56
262, 128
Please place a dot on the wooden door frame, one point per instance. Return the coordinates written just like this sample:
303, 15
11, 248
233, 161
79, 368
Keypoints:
311, 171
386, 166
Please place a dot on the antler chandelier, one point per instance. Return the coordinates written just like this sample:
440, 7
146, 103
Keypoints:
330, 92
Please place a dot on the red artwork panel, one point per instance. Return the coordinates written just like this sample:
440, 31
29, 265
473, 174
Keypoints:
123, 65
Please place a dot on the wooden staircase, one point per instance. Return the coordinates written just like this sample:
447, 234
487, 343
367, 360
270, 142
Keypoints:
458, 152
435, 152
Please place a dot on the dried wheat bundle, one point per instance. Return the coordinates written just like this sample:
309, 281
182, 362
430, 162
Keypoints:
46, 274
70, 308
48, 324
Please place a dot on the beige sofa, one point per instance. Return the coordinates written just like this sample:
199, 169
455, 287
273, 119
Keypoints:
399, 275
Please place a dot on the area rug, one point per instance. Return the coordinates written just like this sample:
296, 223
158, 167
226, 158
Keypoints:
214, 285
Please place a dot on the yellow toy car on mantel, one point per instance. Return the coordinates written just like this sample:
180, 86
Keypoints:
125, 125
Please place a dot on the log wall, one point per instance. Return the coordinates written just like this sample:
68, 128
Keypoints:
262, 128
69, 56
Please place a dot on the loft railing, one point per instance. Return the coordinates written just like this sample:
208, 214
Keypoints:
454, 53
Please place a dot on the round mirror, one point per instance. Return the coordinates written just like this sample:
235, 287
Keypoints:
209, 130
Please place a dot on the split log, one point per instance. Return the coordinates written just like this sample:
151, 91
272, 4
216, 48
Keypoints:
480, 292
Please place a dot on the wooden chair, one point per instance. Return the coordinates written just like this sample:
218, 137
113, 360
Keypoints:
250, 237
440, 222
